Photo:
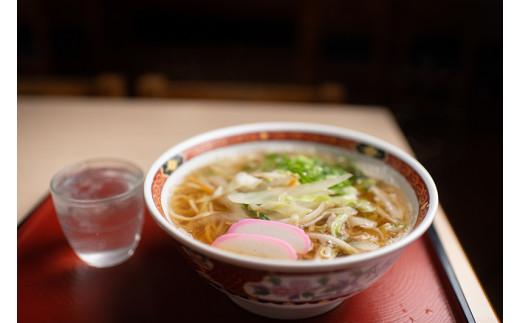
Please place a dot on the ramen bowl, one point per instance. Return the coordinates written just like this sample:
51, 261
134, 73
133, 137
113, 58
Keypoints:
290, 289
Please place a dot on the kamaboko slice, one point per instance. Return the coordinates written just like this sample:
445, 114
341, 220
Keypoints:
256, 245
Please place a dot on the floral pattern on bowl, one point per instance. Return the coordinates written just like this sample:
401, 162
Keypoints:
202, 263
298, 289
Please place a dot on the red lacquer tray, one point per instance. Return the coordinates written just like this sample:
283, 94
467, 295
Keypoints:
156, 285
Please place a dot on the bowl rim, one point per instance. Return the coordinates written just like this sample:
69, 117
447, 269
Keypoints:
291, 265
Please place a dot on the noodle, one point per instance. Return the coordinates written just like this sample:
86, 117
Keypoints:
203, 206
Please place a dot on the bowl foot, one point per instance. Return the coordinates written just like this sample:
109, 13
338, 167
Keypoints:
284, 312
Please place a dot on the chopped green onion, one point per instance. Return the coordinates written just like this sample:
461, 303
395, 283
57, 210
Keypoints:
262, 216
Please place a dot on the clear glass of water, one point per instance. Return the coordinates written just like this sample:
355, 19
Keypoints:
100, 207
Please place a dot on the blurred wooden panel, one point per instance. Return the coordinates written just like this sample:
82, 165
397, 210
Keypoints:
157, 85
103, 85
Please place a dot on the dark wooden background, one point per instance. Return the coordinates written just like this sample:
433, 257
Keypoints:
436, 64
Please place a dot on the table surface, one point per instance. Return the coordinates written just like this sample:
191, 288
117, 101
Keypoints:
54, 132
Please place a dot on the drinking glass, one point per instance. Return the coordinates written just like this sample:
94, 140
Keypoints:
100, 207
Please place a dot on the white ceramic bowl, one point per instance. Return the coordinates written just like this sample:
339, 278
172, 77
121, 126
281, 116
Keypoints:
290, 289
